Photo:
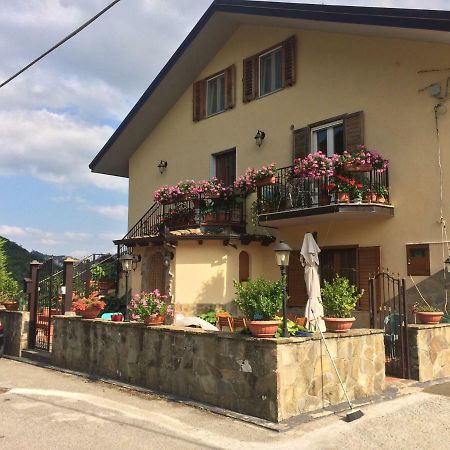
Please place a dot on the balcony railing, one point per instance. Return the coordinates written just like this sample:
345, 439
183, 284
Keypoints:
292, 193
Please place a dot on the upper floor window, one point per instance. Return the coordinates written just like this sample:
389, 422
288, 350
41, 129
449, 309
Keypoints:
214, 94
328, 138
270, 70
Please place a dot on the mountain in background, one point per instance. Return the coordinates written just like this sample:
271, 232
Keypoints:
18, 259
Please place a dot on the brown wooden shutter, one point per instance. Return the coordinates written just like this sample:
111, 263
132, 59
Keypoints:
250, 79
230, 90
244, 266
354, 129
368, 265
296, 281
302, 138
289, 61
199, 100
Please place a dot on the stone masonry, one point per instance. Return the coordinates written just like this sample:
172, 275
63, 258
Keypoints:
16, 325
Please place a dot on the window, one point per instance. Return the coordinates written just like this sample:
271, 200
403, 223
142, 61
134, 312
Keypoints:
270, 72
215, 94
328, 138
244, 266
225, 166
418, 259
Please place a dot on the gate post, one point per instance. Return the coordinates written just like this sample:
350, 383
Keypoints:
34, 267
68, 285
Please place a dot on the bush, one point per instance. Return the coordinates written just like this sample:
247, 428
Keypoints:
259, 299
339, 297
210, 317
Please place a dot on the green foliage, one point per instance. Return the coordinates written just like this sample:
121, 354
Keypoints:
339, 297
259, 299
291, 326
419, 307
104, 271
114, 304
9, 288
209, 316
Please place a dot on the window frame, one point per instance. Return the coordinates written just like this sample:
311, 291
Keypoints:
207, 81
329, 126
272, 50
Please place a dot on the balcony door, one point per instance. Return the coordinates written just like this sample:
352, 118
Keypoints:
225, 166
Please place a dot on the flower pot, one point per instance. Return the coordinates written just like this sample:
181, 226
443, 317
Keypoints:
11, 305
371, 197
91, 313
324, 199
381, 199
209, 218
154, 320
263, 328
196, 202
338, 324
343, 197
266, 181
352, 167
429, 318
222, 216
211, 196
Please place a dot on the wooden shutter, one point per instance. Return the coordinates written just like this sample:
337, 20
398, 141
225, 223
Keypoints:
302, 138
296, 281
230, 90
289, 61
250, 79
354, 129
244, 266
226, 166
368, 265
199, 100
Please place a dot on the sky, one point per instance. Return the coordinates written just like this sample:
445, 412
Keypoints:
55, 117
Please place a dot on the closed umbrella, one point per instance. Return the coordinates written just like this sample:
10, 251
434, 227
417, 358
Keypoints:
310, 261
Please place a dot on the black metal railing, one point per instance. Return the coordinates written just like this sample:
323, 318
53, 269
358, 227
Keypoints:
291, 192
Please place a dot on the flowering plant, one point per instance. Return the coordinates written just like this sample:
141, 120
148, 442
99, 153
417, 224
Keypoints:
83, 303
186, 187
166, 194
211, 188
343, 184
425, 307
315, 165
246, 182
149, 304
264, 172
361, 155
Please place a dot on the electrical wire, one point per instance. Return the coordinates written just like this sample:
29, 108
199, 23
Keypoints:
71, 35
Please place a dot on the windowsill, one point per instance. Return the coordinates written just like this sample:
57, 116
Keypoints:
270, 93
216, 114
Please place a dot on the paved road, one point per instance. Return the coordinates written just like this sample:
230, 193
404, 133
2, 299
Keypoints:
45, 409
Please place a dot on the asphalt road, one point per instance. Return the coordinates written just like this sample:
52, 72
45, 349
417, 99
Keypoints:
45, 409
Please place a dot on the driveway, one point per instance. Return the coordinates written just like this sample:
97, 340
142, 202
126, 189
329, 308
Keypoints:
45, 409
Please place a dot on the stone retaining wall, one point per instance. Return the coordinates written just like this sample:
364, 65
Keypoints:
16, 325
269, 378
429, 351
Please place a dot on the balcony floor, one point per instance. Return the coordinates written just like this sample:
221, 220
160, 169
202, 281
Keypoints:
341, 211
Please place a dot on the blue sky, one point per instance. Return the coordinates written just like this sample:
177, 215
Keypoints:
56, 117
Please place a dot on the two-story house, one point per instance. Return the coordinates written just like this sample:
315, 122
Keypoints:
300, 78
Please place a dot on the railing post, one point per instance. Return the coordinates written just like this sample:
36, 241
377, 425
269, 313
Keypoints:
34, 267
68, 285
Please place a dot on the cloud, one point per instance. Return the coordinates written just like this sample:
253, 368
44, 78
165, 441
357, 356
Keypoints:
116, 212
11, 231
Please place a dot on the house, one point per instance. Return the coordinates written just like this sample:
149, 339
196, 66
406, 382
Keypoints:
299, 78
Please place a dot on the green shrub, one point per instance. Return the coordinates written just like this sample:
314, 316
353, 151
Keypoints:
259, 299
339, 297
209, 316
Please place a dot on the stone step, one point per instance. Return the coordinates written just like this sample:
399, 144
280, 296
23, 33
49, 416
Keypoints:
36, 355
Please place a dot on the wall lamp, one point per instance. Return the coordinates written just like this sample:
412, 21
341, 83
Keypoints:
162, 166
260, 135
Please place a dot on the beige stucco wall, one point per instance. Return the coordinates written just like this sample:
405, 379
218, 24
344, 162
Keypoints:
337, 74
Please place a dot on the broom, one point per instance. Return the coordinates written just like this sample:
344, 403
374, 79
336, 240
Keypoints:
354, 414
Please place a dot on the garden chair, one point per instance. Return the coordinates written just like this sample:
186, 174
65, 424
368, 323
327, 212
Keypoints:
224, 320
391, 334
239, 322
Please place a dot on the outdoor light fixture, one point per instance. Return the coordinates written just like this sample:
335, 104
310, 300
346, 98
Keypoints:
127, 264
282, 252
447, 264
162, 166
260, 135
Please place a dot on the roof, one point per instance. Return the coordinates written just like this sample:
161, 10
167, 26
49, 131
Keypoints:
217, 25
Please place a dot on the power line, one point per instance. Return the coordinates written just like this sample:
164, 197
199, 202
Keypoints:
71, 35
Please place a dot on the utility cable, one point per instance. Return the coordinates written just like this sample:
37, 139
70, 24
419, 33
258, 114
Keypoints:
71, 35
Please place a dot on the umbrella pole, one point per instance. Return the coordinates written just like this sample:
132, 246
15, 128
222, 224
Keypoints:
353, 414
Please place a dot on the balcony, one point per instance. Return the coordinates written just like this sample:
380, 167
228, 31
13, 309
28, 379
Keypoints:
292, 200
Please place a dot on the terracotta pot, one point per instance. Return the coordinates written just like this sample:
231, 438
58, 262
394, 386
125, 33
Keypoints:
209, 218
351, 167
429, 318
263, 328
209, 196
10, 305
381, 199
371, 197
338, 324
90, 313
343, 197
157, 320
266, 181
324, 200
222, 216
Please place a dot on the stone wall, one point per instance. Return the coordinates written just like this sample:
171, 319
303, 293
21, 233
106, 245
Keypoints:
16, 325
429, 351
269, 378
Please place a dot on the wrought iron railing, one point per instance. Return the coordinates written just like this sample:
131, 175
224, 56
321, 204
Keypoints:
291, 192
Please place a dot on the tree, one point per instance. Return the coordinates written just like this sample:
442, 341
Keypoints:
9, 288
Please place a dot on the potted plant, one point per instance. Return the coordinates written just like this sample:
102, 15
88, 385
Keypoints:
361, 159
150, 308
382, 194
245, 184
260, 300
208, 189
339, 299
265, 176
186, 188
315, 165
88, 307
427, 314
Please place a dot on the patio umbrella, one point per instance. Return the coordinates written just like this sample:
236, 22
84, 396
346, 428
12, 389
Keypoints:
310, 261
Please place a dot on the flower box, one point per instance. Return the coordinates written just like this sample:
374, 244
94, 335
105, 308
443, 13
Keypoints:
266, 181
154, 320
351, 167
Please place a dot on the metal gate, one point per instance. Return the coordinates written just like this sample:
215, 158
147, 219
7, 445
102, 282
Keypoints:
388, 311
48, 303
